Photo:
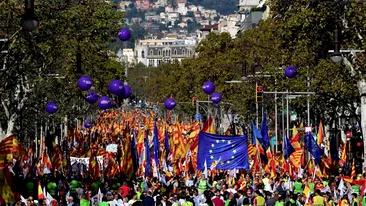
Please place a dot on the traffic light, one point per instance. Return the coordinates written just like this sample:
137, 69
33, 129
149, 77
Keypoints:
259, 94
194, 99
357, 147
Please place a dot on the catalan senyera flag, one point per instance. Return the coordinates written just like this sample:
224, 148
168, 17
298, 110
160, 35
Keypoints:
320, 137
343, 158
295, 139
128, 166
208, 127
269, 153
179, 143
260, 148
353, 170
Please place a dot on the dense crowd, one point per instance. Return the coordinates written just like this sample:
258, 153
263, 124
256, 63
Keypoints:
195, 190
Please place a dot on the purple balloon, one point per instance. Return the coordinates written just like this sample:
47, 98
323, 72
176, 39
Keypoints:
116, 87
126, 91
87, 125
104, 102
85, 83
169, 103
51, 108
124, 34
208, 87
216, 97
290, 72
92, 97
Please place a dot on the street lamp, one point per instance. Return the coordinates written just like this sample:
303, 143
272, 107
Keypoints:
336, 56
29, 21
79, 71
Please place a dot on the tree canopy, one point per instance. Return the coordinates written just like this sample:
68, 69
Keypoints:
298, 33
41, 65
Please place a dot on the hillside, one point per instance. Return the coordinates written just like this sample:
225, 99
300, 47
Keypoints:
222, 6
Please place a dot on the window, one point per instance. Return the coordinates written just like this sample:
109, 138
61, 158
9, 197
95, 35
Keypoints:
175, 52
164, 53
151, 62
159, 52
143, 54
151, 52
184, 52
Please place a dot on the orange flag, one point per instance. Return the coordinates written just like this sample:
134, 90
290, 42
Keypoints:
320, 137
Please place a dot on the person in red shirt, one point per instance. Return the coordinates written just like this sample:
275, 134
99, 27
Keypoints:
125, 189
217, 201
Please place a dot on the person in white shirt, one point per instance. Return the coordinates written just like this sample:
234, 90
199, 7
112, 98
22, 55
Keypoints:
117, 201
189, 181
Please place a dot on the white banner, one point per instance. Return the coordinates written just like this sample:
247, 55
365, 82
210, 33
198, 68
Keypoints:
85, 161
112, 148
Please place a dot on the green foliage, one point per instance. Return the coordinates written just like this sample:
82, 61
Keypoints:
299, 33
66, 28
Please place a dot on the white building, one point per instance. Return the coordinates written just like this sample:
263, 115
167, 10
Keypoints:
228, 24
182, 9
250, 13
126, 56
152, 52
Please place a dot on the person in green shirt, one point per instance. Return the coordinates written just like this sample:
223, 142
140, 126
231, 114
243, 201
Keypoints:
104, 202
84, 201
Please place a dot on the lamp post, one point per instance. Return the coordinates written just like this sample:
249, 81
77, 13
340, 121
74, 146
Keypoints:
29, 21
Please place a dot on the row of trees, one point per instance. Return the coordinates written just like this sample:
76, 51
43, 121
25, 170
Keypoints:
298, 33
40, 66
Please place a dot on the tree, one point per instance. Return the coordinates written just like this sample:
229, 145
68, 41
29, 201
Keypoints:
66, 28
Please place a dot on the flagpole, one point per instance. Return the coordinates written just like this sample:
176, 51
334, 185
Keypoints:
36, 134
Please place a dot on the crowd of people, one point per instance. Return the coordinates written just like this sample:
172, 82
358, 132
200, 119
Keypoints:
122, 177
197, 190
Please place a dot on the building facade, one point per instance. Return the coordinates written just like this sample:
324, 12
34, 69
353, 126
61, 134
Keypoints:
153, 52
250, 12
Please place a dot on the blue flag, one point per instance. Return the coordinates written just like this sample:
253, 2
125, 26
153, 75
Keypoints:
230, 151
166, 142
256, 134
288, 148
156, 145
264, 130
313, 148
147, 153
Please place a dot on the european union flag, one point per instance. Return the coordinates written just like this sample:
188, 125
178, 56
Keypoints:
288, 149
232, 151
313, 148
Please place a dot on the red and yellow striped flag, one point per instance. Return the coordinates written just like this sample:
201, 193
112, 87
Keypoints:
259, 147
320, 137
353, 171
